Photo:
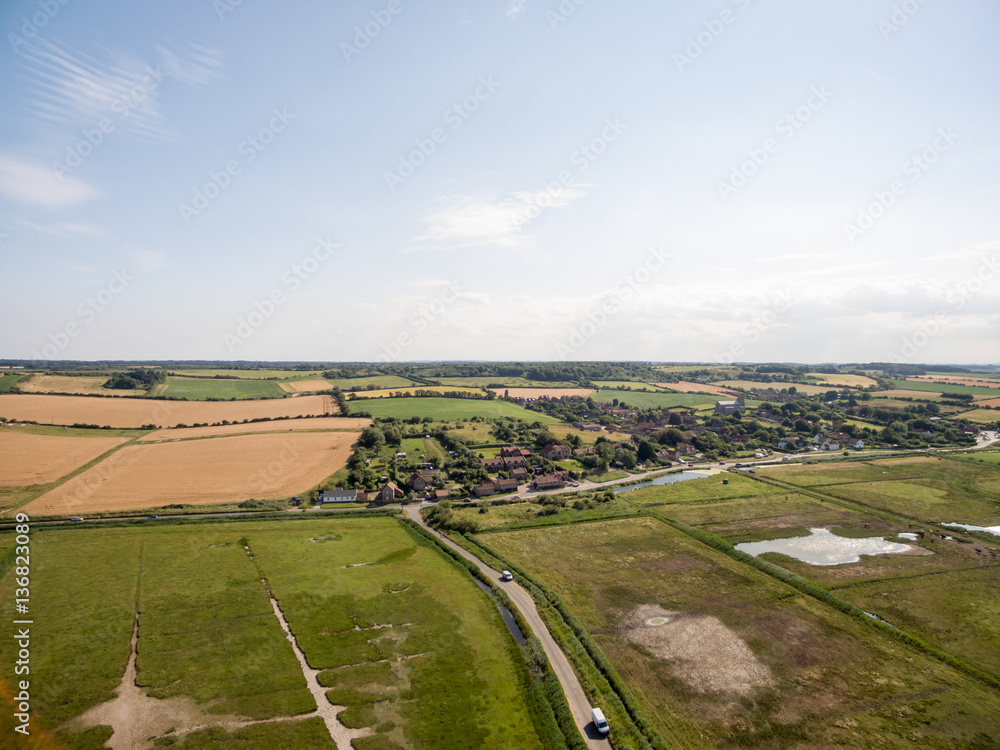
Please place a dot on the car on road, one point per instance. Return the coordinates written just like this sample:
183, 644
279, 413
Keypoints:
737, 465
76, 518
722, 463
154, 516
506, 576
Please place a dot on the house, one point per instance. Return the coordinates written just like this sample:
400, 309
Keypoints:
727, 408
548, 482
388, 492
512, 451
515, 462
486, 488
589, 427
555, 452
439, 495
416, 482
519, 474
494, 464
338, 495
505, 485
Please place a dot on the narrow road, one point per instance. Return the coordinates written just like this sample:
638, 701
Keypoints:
579, 704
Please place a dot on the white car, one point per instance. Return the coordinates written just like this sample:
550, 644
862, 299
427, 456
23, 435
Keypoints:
506, 576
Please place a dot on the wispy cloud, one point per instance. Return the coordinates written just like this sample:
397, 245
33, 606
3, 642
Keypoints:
65, 230
77, 90
478, 222
514, 9
33, 184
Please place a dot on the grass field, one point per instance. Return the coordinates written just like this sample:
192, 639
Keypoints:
379, 381
69, 384
658, 400
684, 386
805, 388
531, 514
136, 412
390, 392
539, 392
250, 374
212, 655
724, 657
200, 389
274, 425
981, 416
699, 490
27, 459
6, 381
624, 384
476, 382
445, 409
199, 472
922, 385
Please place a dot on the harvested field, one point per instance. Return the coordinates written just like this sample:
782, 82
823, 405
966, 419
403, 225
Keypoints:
201, 472
539, 392
67, 384
749, 385
136, 412
274, 425
686, 386
300, 386
958, 380
27, 459
390, 392
994, 402
851, 381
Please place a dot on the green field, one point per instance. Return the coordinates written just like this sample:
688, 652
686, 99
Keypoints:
6, 381
924, 385
657, 400
981, 416
262, 374
201, 389
447, 409
410, 645
529, 513
374, 381
624, 384
700, 490
471, 382
738, 659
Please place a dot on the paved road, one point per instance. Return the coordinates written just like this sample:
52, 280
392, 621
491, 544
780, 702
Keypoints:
579, 704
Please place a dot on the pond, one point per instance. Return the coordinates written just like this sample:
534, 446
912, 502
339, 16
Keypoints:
995, 530
665, 479
824, 548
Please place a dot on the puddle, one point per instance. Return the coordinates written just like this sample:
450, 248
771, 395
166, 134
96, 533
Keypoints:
507, 615
907, 535
825, 548
995, 530
665, 479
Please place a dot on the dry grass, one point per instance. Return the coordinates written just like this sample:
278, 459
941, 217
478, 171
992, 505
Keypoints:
851, 381
958, 380
389, 392
27, 459
201, 472
539, 392
136, 412
747, 385
276, 425
300, 386
84, 385
686, 386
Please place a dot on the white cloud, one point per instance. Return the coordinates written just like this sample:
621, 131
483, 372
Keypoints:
67, 229
33, 184
199, 65
477, 222
514, 9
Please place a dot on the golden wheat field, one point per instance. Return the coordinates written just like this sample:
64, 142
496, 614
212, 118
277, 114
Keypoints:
27, 459
136, 412
200, 472
274, 425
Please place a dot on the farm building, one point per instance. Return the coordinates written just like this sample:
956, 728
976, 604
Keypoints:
338, 495
727, 408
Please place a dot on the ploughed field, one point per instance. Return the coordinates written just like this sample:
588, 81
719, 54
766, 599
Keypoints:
410, 652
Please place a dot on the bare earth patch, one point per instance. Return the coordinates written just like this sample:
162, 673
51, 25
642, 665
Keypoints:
705, 654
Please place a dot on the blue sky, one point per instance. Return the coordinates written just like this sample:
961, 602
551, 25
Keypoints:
512, 179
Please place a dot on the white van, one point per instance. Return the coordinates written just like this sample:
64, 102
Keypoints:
599, 721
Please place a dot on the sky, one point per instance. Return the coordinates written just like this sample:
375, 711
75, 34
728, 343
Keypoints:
718, 181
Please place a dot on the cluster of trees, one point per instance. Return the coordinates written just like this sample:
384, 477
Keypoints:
137, 379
